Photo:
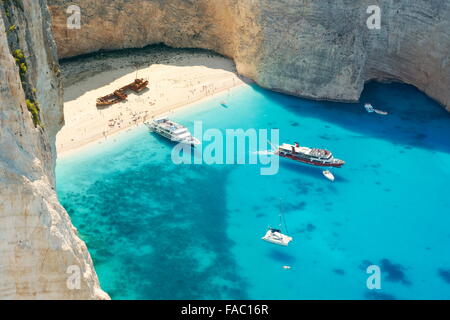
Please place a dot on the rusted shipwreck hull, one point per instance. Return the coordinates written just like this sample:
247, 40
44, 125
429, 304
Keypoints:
121, 94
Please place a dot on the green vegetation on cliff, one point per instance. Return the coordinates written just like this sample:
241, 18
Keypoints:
11, 9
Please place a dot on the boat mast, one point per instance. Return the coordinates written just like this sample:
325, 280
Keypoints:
285, 225
282, 219
281, 222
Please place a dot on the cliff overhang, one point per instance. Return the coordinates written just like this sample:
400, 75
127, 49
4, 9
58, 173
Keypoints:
317, 50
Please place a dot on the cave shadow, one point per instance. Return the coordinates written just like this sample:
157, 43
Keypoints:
414, 120
79, 68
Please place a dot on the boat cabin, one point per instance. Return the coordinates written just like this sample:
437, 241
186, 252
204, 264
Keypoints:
297, 149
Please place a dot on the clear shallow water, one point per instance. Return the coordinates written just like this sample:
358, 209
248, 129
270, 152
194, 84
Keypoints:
160, 231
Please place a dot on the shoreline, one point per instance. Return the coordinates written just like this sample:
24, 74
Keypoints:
112, 135
183, 80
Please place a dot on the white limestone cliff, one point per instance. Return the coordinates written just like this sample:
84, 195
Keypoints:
38, 242
318, 49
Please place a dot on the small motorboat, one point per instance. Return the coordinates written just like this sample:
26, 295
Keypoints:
287, 267
276, 237
328, 175
369, 108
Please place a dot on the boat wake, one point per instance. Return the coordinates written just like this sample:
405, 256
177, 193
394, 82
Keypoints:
264, 153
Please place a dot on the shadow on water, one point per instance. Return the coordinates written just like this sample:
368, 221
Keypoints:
193, 152
313, 172
162, 140
302, 169
414, 119
281, 256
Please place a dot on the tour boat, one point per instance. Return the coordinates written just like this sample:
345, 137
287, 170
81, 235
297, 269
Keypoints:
172, 131
315, 157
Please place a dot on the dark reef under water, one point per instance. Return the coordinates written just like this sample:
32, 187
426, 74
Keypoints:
183, 227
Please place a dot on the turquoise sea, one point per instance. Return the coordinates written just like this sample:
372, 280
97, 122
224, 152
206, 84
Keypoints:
157, 230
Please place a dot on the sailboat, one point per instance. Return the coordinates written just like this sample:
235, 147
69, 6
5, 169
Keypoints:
276, 236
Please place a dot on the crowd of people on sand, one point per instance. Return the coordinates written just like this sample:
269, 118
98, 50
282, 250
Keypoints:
135, 118
138, 117
171, 89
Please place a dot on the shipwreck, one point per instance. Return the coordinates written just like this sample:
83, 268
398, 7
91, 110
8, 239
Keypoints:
121, 94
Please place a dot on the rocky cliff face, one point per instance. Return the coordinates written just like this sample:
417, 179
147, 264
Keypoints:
38, 244
318, 49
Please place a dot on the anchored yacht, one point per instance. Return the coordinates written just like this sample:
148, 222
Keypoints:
315, 157
276, 237
172, 131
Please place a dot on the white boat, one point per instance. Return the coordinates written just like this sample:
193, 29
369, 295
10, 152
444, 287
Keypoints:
172, 131
276, 237
328, 175
369, 108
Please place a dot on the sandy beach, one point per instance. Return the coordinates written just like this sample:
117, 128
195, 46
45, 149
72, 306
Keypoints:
176, 78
